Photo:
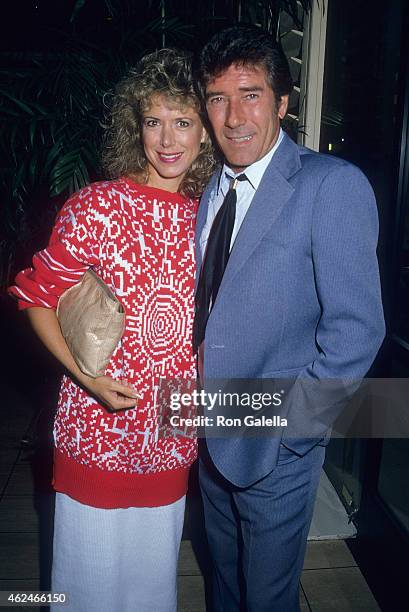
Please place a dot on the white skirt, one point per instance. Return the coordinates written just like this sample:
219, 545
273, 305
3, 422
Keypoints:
118, 560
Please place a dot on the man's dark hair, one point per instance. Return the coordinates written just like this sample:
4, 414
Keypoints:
245, 45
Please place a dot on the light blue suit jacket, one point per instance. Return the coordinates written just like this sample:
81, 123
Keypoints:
300, 296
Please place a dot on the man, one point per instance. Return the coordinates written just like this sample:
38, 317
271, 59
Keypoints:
295, 293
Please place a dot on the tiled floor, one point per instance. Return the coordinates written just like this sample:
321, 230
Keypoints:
331, 580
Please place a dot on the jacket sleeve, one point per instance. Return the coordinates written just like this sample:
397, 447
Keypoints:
73, 248
350, 331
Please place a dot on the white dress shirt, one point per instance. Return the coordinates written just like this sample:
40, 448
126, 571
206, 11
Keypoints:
245, 193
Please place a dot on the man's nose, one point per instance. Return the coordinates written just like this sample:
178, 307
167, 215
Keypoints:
167, 136
234, 115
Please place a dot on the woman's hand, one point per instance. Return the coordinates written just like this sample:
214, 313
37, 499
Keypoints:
113, 394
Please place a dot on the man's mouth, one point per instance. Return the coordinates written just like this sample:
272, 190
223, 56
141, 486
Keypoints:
240, 139
169, 158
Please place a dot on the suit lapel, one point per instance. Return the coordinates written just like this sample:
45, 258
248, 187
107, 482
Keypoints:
271, 196
202, 215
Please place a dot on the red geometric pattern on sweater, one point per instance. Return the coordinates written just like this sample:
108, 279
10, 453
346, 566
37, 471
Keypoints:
140, 240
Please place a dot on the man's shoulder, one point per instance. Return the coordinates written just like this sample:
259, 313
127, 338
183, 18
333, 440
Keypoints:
315, 159
320, 166
318, 159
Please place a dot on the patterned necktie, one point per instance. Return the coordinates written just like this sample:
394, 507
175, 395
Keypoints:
215, 262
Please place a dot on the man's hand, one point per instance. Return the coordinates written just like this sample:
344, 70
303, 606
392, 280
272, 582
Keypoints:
114, 395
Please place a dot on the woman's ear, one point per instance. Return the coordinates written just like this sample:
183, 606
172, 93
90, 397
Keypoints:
205, 136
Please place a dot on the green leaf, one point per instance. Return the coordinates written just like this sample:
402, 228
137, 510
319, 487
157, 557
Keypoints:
32, 130
18, 183
52, 156
25, 107
70, 173
77, 8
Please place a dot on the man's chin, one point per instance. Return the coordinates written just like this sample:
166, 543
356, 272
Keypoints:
240, 162
238, 165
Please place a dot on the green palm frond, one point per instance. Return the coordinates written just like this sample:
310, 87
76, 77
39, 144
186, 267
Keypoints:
173, 25
76, 9
69, 162
332, 117
70, 172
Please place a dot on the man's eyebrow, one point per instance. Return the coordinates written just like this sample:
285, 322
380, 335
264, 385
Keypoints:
247, 88
209, 94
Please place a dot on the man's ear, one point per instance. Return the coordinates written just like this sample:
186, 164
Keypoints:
283, 106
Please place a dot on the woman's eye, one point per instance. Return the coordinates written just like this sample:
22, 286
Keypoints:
151, 122
183, 124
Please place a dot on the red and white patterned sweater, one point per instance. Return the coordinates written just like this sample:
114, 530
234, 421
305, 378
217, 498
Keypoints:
140, 240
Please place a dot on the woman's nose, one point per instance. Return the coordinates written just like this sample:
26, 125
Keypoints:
167, 136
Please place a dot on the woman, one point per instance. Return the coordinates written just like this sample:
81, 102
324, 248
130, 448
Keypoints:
121, 487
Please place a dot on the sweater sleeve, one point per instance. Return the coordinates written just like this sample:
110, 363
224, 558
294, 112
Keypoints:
73, 248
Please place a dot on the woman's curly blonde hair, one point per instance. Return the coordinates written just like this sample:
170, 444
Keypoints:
167, 72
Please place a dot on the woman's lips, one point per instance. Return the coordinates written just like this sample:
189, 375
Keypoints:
169, 158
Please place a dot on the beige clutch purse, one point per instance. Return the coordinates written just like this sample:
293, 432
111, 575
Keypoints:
92, 321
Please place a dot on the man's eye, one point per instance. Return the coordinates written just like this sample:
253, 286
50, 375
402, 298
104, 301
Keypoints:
216, 100
251, 96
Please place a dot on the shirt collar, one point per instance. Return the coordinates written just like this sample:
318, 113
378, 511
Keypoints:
254, 173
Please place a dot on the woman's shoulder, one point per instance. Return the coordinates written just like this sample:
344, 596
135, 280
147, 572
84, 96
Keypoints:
96, 189
94, 197
106, 197
113, 189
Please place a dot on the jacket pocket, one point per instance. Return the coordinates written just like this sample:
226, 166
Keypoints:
290, 373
